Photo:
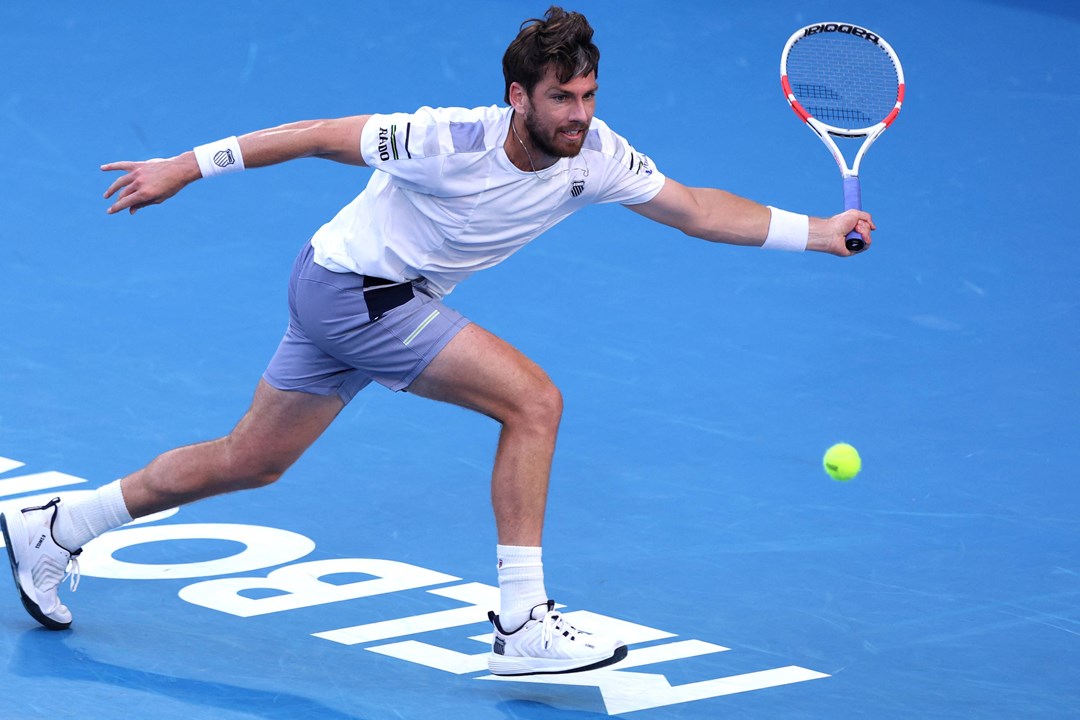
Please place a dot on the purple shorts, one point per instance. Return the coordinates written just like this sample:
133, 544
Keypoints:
333, 346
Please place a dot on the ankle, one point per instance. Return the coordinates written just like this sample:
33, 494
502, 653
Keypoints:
80, 520
521, 585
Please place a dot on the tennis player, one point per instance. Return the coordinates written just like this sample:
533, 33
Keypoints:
453, 191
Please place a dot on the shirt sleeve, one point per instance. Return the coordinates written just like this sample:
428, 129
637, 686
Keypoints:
405, 145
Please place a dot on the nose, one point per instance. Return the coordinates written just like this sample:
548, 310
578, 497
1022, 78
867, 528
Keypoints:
578, 112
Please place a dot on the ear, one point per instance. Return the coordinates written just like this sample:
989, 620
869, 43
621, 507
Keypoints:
518, 98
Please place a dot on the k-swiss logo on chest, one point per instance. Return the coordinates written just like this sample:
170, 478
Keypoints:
577, 187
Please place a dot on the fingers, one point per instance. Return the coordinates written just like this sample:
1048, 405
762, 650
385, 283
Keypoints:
859, 218
126, 197
131, 196
121, 165
120, 182
830, 235
125, 166
132, 189
863, 225
135, 208
149, 182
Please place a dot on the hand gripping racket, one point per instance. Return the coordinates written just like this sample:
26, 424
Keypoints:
843, 80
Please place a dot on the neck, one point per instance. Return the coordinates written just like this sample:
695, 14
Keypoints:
520, 149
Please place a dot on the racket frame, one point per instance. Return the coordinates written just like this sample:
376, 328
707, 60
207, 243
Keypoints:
825, 131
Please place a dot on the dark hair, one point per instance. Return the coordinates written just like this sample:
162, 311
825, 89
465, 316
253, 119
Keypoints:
562, 39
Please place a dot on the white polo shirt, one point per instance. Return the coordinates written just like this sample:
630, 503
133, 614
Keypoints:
445, 200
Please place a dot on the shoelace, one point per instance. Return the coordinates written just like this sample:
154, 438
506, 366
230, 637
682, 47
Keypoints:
73, 573
553, 623
71, 570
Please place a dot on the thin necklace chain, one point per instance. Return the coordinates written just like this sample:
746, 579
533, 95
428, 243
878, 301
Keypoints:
513, 127
535, 172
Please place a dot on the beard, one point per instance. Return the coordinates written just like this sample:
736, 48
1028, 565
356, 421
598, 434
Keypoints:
550, 141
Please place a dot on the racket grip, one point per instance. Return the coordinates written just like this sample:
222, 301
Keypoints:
853, 201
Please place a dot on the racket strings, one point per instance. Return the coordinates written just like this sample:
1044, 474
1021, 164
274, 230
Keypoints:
831, 113
843, 80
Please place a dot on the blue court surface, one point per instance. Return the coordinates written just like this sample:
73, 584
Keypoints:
689, 510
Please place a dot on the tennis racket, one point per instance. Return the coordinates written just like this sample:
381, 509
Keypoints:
843, 81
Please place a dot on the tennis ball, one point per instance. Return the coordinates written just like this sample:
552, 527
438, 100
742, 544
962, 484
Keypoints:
842, 462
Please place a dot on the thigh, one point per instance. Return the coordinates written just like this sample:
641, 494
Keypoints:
480, 371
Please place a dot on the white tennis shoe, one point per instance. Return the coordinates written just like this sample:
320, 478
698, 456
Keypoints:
547, 643
39, 564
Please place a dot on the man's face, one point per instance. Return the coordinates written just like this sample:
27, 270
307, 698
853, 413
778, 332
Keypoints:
557, 115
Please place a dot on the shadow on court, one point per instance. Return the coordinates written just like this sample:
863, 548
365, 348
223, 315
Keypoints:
41, 653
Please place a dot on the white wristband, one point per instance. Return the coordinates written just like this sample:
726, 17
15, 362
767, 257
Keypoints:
220, 158
787, 231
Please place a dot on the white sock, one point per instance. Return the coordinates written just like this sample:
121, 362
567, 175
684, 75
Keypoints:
521, 584
81, 519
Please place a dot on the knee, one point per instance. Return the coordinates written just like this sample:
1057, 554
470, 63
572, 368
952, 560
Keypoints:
542, 406
551, 401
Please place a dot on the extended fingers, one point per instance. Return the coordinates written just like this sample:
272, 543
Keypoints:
128, 187
144, 183
119, 165
123, 180
132, 195
126, 198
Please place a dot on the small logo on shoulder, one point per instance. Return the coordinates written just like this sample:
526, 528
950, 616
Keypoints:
577, 187
640, 163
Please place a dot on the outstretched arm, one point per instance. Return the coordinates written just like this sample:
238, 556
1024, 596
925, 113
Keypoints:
719, 216
151, 182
